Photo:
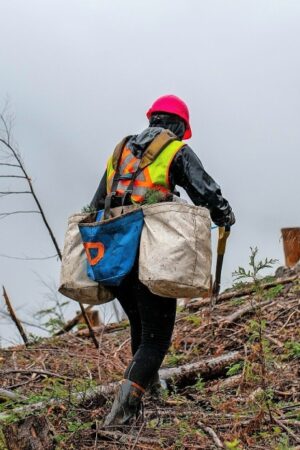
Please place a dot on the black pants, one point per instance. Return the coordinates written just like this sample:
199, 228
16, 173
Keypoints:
152, 321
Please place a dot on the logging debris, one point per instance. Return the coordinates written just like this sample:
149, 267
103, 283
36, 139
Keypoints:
214, 400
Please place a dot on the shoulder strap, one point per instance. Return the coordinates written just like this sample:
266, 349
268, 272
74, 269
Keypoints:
156, 147
118, 152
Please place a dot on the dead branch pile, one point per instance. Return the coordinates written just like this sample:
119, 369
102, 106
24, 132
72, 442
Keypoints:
212, 370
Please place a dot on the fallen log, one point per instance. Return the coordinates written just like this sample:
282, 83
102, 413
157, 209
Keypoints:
31, 433
205, 367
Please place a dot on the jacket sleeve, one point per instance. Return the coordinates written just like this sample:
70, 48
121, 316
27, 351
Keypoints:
99, 197
188, 172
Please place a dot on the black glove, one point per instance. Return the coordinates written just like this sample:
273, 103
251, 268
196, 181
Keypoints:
230, 219
222, 221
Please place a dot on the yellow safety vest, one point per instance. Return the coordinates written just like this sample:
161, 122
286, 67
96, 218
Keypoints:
155, 176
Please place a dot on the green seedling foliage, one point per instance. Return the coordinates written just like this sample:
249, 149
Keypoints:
235, 368
56, 320
192, 318
233, 445
89, 209
239, 285
78, 426
237, 301
293, 348
268, 279
2, 441
284, 443
255, 267
200, 384
155, 196
273, 292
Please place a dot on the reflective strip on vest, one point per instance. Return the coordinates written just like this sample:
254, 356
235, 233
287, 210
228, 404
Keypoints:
155, 176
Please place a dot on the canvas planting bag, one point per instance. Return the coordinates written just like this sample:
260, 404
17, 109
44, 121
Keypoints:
112, 245
175, 250
74, 282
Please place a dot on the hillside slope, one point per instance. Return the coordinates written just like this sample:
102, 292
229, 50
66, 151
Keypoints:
241, 392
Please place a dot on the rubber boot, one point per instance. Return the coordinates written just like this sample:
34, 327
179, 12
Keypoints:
156, 386
126, 404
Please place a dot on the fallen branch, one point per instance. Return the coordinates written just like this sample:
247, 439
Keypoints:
87, 321
251, 290
228, 383
212, 434
241, 312
111, 328
38, 371
196, 304
122, 438
14, 317
72, 323
4, 393
287, 429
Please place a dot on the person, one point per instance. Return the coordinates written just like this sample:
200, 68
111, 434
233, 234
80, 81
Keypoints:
152, 317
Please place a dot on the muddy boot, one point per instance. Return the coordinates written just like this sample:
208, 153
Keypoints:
156, 386
126, 404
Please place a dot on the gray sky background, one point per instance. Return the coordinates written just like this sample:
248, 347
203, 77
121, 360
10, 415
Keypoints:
80, 76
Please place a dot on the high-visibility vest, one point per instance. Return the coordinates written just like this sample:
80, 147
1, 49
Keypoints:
153, 177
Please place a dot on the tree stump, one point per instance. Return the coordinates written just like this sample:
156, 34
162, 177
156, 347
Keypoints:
31, 433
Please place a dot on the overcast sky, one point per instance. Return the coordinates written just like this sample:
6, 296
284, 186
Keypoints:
81, 74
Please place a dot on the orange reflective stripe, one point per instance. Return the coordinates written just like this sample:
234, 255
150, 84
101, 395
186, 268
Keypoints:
131, 165
97, 246
125, 153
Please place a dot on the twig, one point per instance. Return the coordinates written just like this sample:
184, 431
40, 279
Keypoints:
117, 436
28, 258
29, 371
14, 192
14, 317
87, 321
121, 346
31, 380
287, 429
275, 341
12, 176
31, 191
10, 165
5, 214
138, 436
289, 318
4, 393
211, 433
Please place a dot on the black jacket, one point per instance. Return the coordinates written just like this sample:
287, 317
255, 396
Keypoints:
186, 171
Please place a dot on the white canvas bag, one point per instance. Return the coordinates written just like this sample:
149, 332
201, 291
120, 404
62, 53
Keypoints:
74, 282
175, 250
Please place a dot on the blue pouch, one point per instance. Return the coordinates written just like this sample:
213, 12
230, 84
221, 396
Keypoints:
111, 246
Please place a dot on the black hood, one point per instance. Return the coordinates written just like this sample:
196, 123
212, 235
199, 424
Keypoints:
139, 142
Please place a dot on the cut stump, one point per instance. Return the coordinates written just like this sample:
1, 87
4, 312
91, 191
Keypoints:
31, 433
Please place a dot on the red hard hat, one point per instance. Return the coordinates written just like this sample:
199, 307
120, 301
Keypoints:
173, 105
